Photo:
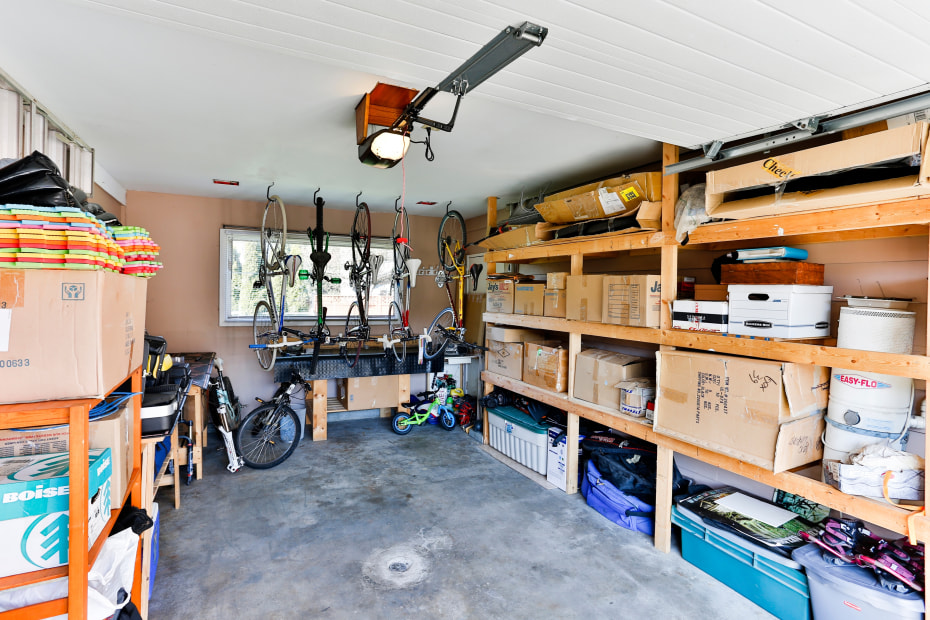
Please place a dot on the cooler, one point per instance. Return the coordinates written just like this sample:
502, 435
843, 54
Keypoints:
516, 435
848, 591
159, 409
770, 580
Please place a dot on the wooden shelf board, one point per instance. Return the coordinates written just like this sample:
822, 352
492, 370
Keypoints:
48, 609
820, 225
916, 366
620, 332
880, 513
589, 246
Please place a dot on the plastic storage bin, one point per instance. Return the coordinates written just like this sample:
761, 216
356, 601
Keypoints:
518, 436
847, 591
771, 581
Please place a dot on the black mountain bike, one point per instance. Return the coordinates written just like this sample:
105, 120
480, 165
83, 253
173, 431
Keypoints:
320, 257
362, 271
270, 433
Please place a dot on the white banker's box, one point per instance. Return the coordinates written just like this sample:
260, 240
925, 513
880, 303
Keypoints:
780, 310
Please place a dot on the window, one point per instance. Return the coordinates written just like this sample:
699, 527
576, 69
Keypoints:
240, 257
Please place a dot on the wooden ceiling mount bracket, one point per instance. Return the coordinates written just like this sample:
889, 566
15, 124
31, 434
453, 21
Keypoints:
382, 106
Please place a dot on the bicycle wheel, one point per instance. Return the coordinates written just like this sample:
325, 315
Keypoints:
452, 241
361, 235
274, 233
265, 331
400, 423
268, 435
447, 419
438, 329
401, 239
352, 349
396, 331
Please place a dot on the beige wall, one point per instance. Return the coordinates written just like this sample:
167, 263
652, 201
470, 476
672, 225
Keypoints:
108, 202
183, 298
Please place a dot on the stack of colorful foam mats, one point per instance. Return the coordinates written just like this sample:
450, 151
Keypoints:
139, 251
33, 237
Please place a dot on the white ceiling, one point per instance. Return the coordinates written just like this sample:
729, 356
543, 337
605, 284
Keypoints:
174, 93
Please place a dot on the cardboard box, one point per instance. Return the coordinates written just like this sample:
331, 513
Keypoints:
33, 441
554, 303
368, 392
585, 296
621, 198
512, 334
650, 182
506, 358
632, 300
68, 334
545, 365
556, 469
597, 373
649, 215
113, 432
555, 280
766, 413
894, 144
635, 395
710, 292
34, 509
700, 316
528, 298
500, 296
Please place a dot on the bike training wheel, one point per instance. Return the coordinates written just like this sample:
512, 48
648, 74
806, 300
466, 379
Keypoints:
274, 233
268, 436
352, 348
447, 420
361, 235
400, 423
396, 331
437, 333
265, 331
452, 235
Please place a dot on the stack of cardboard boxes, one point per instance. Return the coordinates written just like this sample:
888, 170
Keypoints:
526, 355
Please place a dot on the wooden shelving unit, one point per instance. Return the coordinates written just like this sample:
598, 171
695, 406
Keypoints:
905, 218
75, 413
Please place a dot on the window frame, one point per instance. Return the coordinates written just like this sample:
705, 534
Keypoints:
230, 233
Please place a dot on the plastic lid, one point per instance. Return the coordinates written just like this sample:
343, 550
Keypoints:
738, 540
512, 414
857, 582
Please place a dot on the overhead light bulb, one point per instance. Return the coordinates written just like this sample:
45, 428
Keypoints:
383, 149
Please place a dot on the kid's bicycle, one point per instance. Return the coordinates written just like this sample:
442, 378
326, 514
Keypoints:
447, 327
270, 433
437, 403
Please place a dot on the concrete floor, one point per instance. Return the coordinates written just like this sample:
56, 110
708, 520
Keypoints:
373, 525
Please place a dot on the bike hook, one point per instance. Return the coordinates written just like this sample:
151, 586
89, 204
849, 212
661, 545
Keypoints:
268, 191
356, 199
397, 210
448, 204
318, 203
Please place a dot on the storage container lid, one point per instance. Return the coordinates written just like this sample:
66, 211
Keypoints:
512, 414
737, 540
857, 582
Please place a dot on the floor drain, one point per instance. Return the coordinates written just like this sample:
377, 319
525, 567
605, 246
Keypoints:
400, 566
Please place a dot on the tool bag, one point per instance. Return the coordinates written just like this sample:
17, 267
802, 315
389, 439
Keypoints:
624, 510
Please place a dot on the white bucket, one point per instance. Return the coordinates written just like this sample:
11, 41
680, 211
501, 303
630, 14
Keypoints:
876, 329
870, 390
838, 442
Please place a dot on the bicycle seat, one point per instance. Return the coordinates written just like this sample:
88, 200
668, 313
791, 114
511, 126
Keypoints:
474, 272
291, 267
320, 259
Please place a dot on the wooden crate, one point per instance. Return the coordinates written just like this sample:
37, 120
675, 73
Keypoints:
787, 272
